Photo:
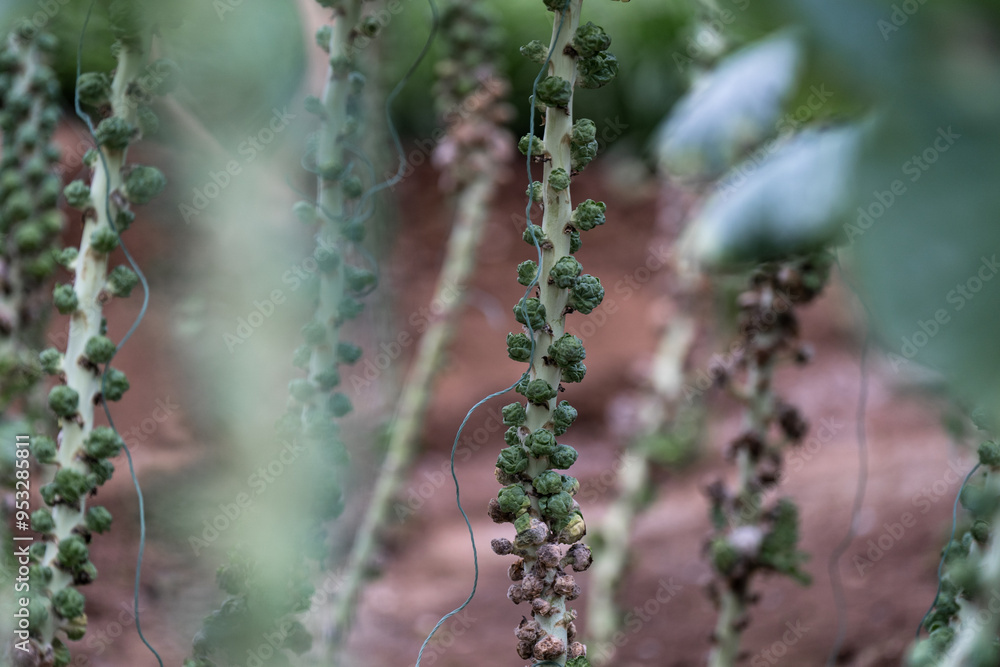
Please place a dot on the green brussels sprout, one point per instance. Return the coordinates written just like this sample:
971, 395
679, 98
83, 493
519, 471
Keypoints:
584, 132
581, 155
100, 349
539, 392
590, 39
567, 350
77, 195
511, 437
123, 220
513, 499
523, 523
548, 483
533, 235
98, 520
17, 207
51, 361
305, 212
115, 133
70, 485
73, 552
513, 414
143, 183
587, 294
518, 347
44, 449
597, 71
100, 472
556, 5
535, 51
102, 443
989, 454
530, 312
512, 460
68, 603
42, 522
328, 379
570, 485
563, 457
348, 353
574, 373
723, 555
527, 271
93, 88
314, 333
565, 272
589, 214
64, 401
338, 404
30, 237
352, 187
536, 191
557, 506
530, 141
115, 384
554, 91
580, 661
349, 308
358, 280
563, 417
122, 280
559, 179
981, 531
103, 240
323, 36
575, 242
540, 443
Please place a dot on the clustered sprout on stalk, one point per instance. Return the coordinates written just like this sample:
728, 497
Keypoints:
536, 497
751, 533
260, 602
79, 460
963, 623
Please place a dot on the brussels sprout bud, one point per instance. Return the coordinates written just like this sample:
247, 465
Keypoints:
338, 404
44, 449
536, 191
98, 520
323, 36
534, 235
567, 350
575, 243
42, 522
589, 214
101, 471
590, 40
597, 71
540, 443
348, 353
513, 499
314, 333
557, 506
64, 401
73, 552
305, 212
518, 347
526, 272
574, 373
122, 280
29, 238
587, 294
989, 454
570, 485
17, 207
70, 485
511, 436
349, 308
93, 88
535, 51
115, 384
68, 603
102, 443
548, 483
539, 392
579, 661
581, 155
114, 133
584, 132
51, 361
103, 240
352, 187
559, 179
142, 183
565, 272
100, 349
513, 414
554, 91
512, 460
530, 141
530, 312
358, 280
574, 529
77, 195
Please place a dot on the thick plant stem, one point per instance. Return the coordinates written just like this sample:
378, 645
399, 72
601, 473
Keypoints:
666, 379
470, 218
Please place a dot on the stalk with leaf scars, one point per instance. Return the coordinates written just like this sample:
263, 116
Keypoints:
81, 461
536, 498
267, 602
30, 220
963, 625
752, 534
471, 98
